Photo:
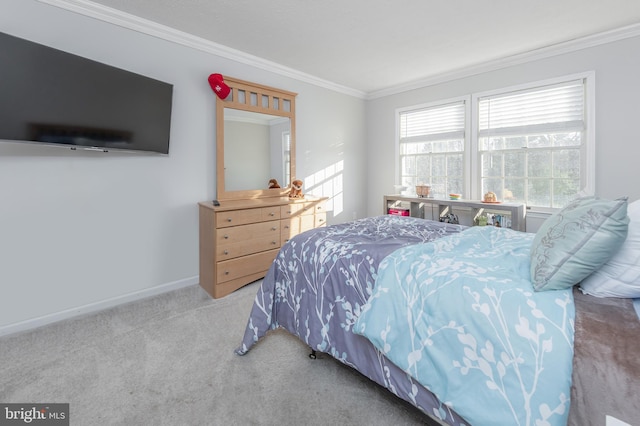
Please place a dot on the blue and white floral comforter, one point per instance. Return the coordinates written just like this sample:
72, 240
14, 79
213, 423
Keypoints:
460, 316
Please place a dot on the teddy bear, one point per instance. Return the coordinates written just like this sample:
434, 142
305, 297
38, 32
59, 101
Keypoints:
296, 189
273, 183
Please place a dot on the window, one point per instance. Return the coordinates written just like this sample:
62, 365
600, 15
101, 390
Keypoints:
431, 147
286, 155
532, 146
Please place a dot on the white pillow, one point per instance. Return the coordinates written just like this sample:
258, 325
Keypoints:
620, 276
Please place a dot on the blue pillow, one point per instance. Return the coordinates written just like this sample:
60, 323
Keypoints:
576, 241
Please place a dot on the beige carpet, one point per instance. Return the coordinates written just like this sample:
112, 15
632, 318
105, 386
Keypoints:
168, 360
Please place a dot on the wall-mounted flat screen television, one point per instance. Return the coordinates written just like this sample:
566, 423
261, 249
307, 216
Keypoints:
52, 97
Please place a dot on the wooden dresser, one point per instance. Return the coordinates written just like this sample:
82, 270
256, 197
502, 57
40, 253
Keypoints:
240, 238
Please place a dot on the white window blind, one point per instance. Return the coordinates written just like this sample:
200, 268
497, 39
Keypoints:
553, 108
441, 122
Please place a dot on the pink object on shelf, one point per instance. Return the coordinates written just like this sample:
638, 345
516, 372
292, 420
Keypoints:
398, 212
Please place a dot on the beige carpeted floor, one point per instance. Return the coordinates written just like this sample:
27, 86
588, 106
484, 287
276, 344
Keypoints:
168, 360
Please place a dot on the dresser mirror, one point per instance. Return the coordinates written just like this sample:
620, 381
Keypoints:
255, 132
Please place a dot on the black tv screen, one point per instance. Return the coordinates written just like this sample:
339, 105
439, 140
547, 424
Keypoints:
53, 97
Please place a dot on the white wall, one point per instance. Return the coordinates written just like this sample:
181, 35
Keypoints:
617, 67
83, 230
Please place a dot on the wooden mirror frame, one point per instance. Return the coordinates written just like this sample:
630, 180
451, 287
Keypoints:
253, 97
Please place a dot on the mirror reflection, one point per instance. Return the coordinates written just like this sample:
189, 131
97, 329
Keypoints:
256, 149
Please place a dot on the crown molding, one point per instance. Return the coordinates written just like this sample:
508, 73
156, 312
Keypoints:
533, 55
132, 22
135, 23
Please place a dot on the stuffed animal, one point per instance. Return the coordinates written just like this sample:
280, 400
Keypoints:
273, 183
296, 189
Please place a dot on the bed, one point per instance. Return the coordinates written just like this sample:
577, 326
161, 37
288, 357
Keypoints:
350, 290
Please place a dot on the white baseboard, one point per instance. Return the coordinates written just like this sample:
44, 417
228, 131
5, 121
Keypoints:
96, 306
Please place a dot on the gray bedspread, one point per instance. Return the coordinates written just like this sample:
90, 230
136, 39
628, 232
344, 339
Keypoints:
319, 282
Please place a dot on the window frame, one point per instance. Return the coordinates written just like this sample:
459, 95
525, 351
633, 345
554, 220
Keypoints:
587, 166
466, 100
472, 181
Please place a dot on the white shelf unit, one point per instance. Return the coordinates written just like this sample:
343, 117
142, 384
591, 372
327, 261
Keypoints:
468, 211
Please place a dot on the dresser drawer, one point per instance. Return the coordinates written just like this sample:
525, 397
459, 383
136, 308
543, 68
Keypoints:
289, 228
234, 234
238, 217
296, 225
250, 246
320, 219
242, 217
319, 208
270, 213
307, 222
296, 209
243, 266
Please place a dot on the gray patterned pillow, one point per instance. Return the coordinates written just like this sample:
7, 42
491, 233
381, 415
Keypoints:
576, 241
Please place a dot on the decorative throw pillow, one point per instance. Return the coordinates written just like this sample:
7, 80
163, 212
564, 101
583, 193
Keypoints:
576, 241
620, 276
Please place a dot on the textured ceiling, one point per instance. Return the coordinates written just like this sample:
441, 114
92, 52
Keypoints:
370, 45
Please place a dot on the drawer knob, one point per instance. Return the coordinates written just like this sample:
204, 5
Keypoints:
286, 227
320, 220
226, 272
272, 214
274, 242
274, 228
226, 252
229, 220
226, 237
